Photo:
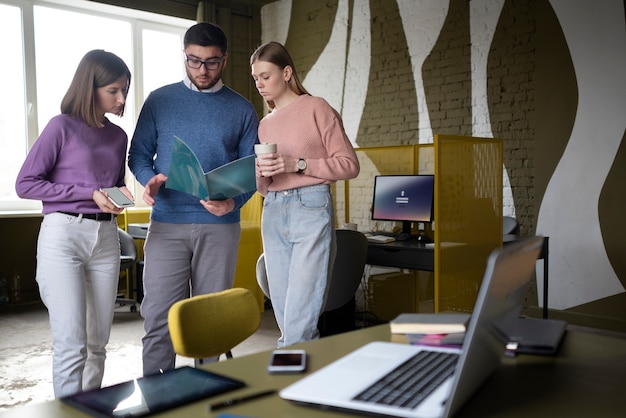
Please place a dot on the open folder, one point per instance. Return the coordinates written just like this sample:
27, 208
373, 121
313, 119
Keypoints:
229, 180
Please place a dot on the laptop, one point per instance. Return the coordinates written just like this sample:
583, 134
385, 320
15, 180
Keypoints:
368, 380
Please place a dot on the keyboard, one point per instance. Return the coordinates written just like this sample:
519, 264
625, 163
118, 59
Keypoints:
411, 382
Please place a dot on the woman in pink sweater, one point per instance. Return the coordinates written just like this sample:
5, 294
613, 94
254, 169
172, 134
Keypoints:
298, 229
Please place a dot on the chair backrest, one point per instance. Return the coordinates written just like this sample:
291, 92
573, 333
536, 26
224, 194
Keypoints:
348, 268
261, 275
128, 249
510, 226
210, 325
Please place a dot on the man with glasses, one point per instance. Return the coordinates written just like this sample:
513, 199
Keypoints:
191, 245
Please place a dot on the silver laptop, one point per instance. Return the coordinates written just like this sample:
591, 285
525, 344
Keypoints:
373, 378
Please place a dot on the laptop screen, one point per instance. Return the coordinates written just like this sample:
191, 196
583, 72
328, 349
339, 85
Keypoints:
502, 294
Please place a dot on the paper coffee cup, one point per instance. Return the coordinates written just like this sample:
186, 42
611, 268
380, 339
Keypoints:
263, 149
260, 149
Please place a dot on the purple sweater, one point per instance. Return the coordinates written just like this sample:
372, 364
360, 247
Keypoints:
69, 161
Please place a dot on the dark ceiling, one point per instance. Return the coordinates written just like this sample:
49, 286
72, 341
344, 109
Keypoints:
186, 8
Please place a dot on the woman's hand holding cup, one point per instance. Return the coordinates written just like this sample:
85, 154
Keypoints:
265, 151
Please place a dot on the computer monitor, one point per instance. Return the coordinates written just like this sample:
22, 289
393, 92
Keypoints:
404, 198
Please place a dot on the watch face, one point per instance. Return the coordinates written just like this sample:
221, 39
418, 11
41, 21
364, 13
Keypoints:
301, 164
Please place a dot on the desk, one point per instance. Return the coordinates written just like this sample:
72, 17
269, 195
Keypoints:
416, 256
585, 379
401, 254
139, 230
543, 255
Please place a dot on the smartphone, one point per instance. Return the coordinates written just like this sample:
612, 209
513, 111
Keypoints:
287, 361
118, 198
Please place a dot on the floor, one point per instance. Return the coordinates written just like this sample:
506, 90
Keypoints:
26, 354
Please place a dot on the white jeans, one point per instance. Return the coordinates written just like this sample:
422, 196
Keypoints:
78, 262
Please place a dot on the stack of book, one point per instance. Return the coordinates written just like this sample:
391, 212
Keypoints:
440, 329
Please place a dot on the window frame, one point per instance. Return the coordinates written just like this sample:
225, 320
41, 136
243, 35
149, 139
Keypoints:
138, 20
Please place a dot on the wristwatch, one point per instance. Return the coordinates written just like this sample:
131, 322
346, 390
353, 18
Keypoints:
301, 165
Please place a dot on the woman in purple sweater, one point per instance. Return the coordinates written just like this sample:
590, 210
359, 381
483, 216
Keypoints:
298, 229
78, 250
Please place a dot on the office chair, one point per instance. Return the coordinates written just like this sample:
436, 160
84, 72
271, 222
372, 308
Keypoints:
128, 258
211, 325
510, 226
338, 314
261, 276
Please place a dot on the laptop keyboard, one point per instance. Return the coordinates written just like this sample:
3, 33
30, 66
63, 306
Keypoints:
408, 384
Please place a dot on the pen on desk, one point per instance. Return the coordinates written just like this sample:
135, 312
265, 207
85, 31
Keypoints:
234, 401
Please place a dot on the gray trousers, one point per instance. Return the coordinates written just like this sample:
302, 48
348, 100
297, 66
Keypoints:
181, 260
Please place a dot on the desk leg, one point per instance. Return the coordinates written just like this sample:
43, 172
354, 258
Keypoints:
545, 252
139, 281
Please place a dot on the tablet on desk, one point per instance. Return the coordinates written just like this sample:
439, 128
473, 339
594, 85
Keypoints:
152, 394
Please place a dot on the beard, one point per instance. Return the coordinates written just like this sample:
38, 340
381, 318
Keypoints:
206, 80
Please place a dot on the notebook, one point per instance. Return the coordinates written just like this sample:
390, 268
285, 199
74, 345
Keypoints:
345, 384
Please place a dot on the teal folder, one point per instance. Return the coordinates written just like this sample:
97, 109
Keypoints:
229, 180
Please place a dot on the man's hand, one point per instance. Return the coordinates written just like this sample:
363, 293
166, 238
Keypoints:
219, 207
152, 188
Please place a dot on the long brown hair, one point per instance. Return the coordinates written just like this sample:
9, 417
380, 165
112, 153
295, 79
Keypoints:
277, 54
96, 69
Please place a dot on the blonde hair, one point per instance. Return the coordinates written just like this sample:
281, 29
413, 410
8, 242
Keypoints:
277, 54
96, 69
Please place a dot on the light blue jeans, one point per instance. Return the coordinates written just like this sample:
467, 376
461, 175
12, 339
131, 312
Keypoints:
299, 244
78, 268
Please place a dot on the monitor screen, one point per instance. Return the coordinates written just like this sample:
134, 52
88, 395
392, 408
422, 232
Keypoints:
403, 198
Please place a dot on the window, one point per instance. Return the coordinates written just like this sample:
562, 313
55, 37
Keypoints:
158, 69
13, 138
59, 43
54, 36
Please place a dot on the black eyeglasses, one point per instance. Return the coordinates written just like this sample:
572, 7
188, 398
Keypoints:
213, 64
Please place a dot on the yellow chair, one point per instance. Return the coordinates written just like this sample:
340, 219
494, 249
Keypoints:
250, 246
211, 325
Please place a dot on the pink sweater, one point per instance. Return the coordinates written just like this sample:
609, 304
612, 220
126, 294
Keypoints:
308, 128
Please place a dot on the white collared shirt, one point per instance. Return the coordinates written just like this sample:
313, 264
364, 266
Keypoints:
193, 87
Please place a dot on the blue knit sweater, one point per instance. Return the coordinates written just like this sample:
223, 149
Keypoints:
219, 127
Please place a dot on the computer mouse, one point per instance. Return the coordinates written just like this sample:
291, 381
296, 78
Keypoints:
424, 239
